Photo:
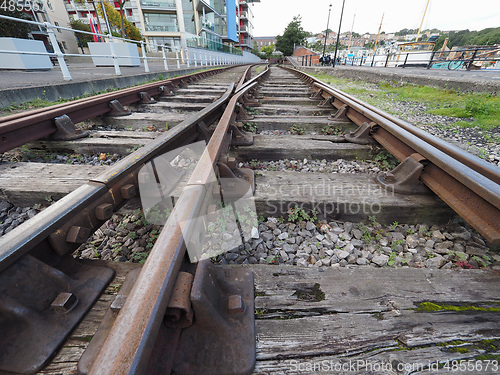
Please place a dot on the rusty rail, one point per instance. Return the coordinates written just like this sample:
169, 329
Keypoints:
19, 129
467, 184
486, 169
245, 77
58, 230
106, 186
129, 344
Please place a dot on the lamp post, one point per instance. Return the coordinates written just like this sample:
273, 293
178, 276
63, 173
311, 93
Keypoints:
338, 36
327, 23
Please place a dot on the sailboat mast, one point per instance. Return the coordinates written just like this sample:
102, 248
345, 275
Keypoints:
422, 22
352, 29
379, 28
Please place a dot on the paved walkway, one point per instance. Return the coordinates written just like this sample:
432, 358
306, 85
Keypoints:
80, 72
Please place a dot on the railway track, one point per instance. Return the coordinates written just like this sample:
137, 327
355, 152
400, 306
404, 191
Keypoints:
321, 313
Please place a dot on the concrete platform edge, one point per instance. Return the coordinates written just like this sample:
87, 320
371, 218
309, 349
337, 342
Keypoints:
71, 90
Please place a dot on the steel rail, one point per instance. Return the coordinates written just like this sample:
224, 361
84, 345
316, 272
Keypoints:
19, 129
254, 79
35, 232
130, 342
245, 77
472, 195
482, 185
487, 169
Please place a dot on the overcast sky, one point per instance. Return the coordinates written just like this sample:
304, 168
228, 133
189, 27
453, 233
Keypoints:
272, 16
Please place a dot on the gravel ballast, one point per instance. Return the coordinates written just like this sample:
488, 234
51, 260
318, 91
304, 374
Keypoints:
128, 237
346, 244
12, 216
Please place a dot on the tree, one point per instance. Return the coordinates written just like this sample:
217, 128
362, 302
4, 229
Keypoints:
83, 39
464, 38
115, 21
267, 51
317, 46
405, 31
294, 34
14, 29
121, 4
369, 45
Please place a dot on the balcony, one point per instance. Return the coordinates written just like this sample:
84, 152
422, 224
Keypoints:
207, 24
244, 29
213, 46
158, 4
207, 4
161, 28
82, 19
246, 42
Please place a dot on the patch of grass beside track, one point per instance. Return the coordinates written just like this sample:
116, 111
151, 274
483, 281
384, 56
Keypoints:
475, 109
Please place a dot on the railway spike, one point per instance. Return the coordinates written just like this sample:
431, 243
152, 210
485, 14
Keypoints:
361, 135
146, 98
117, 109
405, 178
341, 114
66, 130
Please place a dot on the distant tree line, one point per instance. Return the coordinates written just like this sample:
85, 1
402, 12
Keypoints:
404, 32
485, 37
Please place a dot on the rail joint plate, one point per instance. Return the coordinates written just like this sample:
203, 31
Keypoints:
40, 305
222, 337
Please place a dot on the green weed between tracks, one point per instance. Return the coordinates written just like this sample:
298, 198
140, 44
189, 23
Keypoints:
480, 110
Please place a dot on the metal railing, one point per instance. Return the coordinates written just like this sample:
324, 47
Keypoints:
181, 57
473, 58
213, 45
455, 59
468, 59
307, 60
352, 60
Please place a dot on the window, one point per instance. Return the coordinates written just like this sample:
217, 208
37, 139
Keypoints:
57, 24
160, 22
173, 43
189, 23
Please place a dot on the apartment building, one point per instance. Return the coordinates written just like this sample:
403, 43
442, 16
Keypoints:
245, 24
83, 10
178, 23
262, 41
51, 11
